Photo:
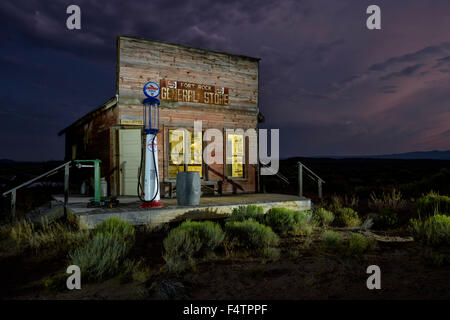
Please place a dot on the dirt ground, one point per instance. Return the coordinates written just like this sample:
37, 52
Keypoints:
300, 273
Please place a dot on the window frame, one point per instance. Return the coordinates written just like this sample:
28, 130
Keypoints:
244, 156
168, 153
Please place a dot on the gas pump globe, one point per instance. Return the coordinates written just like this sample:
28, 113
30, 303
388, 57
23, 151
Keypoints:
151, 124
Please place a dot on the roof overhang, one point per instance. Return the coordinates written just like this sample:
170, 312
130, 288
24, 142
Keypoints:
91, 115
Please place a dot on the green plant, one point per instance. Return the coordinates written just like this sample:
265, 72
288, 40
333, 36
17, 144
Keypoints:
48, 235
434, 231
101, 257
434, 258
332, 239
116, 227
347, 217
359, 244
388, 217
432, 203
56, 283
251, 211
189, 241
251, 236
284, 221
392, 200
323, 217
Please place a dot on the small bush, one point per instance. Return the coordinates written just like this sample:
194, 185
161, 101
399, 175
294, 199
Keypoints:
284, 221
102, 257
337, 202
347, 217
251, 211
434, 258
56, 283
332, 239
250, 236
433, 231
359, 244
189, 241
47, 236
432, 203
323, 217
387, 218
116, 227
392, 200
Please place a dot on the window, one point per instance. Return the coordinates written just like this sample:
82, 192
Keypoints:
177, 156
235, 155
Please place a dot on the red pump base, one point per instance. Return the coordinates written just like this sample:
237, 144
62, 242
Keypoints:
151, 204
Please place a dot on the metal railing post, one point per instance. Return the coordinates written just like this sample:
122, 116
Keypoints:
320, 188
300, 180
66, 188
13, 205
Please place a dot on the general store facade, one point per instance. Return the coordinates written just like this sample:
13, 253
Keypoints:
218, 89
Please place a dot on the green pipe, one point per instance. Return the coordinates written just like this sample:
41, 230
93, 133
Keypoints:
97, 186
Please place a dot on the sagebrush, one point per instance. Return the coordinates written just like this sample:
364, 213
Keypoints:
189, 241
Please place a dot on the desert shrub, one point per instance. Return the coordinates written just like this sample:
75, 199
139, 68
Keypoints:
359, 244
282, 220
56, 283
116, 227
55, 235
189, 241
102, 257
390, 200
132, 270
434, 231
5, 231
22, 232
336, 202
434, 258
388, 218
332, 239
251, 236
432, 203
251, 211
347, 217
323, 217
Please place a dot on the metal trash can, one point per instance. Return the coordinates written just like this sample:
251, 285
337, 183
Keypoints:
188, 188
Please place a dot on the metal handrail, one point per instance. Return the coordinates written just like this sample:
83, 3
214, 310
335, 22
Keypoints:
37, 178
13, 191
279, 175
312, 172
314, 177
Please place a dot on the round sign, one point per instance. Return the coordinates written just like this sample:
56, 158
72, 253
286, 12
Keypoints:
151, 89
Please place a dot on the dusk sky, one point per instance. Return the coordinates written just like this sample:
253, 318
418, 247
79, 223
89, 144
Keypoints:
329, 84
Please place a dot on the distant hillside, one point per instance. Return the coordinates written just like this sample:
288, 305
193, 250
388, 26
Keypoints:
431, 155
434, 155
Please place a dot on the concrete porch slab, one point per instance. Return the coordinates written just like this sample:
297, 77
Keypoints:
209, 207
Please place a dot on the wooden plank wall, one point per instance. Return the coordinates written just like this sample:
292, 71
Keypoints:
140, 61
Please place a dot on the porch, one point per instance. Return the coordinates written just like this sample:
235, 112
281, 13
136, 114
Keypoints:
210, 207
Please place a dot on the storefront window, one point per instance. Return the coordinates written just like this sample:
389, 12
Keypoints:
235, 156
177, 156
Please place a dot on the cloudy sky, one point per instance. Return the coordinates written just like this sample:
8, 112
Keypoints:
332, 86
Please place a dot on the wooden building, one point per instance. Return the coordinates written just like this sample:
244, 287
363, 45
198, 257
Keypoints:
218, 88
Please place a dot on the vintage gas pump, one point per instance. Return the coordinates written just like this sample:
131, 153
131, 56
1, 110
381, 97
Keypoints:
151, 124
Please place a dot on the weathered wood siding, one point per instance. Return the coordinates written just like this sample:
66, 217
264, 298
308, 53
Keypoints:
94, 140
140, 61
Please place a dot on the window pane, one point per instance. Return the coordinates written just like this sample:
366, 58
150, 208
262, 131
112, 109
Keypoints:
176, 152
236, 143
